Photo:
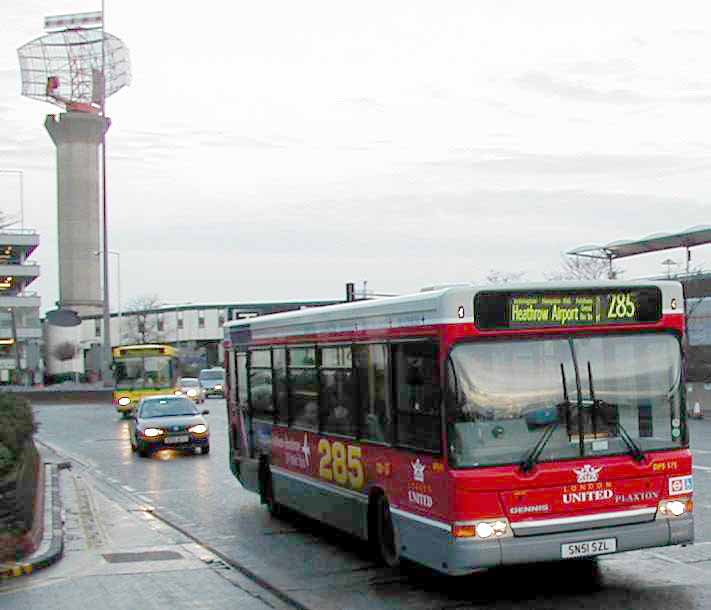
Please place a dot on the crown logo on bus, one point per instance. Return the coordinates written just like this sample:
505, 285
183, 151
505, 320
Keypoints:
587, 474
418, 471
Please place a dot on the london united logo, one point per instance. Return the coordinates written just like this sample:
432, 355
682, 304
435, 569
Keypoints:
587, 474
418, 471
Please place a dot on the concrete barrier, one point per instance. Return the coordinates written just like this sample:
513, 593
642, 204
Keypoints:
67, 396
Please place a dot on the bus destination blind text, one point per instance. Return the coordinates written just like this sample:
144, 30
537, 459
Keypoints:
572, 310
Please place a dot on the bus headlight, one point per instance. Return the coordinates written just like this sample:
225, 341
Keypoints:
199, 429
674, 508
152, 432
124, 401
496, 528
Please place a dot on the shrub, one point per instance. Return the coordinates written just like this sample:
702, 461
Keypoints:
16, 428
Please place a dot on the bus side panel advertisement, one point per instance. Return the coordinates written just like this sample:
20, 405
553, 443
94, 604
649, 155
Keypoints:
414, 483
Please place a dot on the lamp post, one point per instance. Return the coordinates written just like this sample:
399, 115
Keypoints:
669, 262
21, 174
118, 289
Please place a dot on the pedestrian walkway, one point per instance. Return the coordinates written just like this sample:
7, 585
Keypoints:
119, 556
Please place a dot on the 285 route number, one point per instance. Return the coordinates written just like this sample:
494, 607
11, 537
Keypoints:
341, 464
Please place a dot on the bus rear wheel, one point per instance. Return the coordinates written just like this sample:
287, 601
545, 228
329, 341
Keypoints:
385, 537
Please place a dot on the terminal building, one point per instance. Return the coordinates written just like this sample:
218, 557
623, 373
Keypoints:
20, 328
195, 329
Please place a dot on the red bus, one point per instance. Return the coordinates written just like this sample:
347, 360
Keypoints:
469, 427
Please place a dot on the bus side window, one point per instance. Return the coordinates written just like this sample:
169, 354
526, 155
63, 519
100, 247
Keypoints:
338, 391
231, 376
417, 392
241, 369
260, 384
372, 366
303, 387
280, 388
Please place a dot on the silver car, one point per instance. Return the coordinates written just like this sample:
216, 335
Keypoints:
168, 422
192, 388
213, 380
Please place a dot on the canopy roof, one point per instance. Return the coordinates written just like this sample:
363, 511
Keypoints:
694, 236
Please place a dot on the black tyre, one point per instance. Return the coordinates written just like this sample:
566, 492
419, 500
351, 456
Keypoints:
275, 509
205, 449
143, 451
383, 531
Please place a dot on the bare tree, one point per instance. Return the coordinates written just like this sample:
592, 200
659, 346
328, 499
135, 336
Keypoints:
503, 277
584, 268
142, 321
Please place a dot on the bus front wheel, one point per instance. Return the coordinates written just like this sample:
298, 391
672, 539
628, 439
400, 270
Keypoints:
385, 536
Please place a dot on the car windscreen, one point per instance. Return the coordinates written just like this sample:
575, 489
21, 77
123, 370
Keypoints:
212, 375
189, 383
167, 407
139, 372
504, 395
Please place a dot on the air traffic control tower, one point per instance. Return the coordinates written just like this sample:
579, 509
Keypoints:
76, 65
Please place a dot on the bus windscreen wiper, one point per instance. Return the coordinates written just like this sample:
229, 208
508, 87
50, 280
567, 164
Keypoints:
532, 457
634, 448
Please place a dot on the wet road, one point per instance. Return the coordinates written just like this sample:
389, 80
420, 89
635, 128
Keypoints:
321, 568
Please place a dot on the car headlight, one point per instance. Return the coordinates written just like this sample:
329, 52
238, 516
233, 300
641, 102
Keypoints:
124, 400
218, 387
152, 432
178, 393
496, 528
192, 392
198, 429
674, 508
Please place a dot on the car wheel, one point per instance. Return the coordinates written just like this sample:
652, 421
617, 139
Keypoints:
205, 449
143, 451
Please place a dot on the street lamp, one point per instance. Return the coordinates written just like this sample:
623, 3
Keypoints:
669, 262
21, 174
118, 291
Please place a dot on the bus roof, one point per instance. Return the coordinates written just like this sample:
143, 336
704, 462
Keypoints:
448, 305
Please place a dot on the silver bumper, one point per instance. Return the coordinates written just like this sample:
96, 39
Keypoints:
466, 555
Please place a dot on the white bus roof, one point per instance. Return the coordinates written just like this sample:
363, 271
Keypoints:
449, 305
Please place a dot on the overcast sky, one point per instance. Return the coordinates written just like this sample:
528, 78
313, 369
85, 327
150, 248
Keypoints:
275, 150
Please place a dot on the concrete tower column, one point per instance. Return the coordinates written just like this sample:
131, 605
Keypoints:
77, 136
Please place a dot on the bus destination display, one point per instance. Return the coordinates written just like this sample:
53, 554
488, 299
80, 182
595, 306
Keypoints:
546, 310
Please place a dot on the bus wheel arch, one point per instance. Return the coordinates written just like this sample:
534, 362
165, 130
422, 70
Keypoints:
382, 532
266, 488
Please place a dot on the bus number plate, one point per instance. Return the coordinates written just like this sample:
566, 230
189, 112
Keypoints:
587, 548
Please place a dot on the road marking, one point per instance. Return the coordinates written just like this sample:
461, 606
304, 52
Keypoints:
702, 467
132, 490
700, 451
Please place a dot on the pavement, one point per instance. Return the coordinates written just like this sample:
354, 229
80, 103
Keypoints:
117, 555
